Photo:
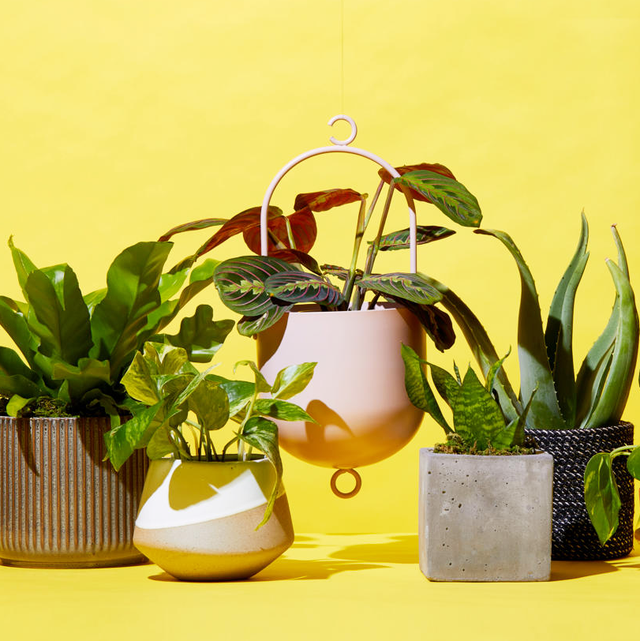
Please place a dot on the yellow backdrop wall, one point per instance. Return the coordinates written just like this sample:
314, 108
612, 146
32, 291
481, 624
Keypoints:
122, 119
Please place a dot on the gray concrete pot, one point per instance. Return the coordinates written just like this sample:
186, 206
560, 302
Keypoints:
485, 518
61, 505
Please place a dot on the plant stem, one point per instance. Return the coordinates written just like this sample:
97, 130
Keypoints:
292, 242
375, 247
360, 229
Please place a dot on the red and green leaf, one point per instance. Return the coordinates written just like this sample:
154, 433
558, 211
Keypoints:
425, 234
204, 223
300, 287
424, 166
327, 199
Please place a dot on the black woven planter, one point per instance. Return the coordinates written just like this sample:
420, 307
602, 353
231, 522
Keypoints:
574, 537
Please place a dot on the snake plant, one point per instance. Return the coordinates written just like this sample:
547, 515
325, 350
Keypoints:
263, 288
76, 348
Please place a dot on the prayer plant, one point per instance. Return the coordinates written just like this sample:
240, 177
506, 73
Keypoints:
75, 348
178, 399
263, 288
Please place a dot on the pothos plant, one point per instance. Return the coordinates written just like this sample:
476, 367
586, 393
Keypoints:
178, 399
75, 348
479, 424
263, 288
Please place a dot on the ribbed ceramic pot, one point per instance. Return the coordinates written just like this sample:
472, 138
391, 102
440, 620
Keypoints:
61, 505
357, 394
574, 538
198, 519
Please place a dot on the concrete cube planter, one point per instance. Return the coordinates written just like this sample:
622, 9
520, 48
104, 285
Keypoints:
485, 518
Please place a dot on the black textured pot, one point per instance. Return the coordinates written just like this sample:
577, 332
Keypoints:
574, 537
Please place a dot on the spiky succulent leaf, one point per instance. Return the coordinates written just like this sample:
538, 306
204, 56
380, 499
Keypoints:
449, 196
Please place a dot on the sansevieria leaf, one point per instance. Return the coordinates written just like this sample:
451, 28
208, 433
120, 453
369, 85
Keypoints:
449, 196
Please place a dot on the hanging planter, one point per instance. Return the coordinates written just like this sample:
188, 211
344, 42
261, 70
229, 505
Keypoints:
61, 504
356, 397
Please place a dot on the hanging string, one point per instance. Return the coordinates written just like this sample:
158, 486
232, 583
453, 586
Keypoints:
341, 56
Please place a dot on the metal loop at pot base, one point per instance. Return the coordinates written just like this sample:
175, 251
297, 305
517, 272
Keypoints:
334, 483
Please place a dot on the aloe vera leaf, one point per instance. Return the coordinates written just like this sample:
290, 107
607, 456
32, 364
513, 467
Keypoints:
559, 331
532, 353
617, 384
481, 346
591, 370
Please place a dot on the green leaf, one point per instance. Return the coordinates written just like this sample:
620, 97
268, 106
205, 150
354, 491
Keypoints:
239, 393
281, 410
559, 331
241, 283
209, 402
204, 223
251, 325
132, 294
619, 377
161, 445
436, 323
633, 463
64, 317
535, 372
138, 379
83, 377
292, 380
11, 364
601, 496
476, 416
261, 381
18, 384
424, 234
300, 287
262, 434
449, 196
16, 404
200, 336
412, 287
417, 387
22, 264
445, 384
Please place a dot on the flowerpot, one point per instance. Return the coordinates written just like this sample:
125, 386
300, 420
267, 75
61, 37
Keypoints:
357, 393
485, 518
198, 519
61, 505
574, 537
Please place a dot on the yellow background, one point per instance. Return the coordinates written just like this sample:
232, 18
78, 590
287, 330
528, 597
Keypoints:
122, 119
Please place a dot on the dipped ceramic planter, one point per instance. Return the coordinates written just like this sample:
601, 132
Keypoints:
574, 537
357, 393
198, 519
61, 504
485, 518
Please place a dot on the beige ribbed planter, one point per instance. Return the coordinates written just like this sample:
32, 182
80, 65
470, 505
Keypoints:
357, 393
61, 505
198, 519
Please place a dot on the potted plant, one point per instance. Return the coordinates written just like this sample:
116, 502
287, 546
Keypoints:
61, 504
207, 514
485, 498
571, 417
300, 308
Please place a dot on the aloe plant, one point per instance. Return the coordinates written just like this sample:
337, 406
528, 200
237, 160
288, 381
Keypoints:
75, 348
171, 392
479, 425
262, 289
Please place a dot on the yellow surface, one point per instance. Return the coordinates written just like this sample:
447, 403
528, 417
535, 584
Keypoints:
340, 587
121, 119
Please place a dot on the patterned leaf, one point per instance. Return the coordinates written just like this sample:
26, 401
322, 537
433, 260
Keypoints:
325, 200
449, 196
295, 256
303, 229
300, 287
411, 287
241, 283
424, 166
204, 223
250, 325
436, 323
425, 234
339, 272
237, 224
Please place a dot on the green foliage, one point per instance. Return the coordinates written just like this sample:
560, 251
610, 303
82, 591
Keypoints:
478, 420
172, 392
76, 348
262, 289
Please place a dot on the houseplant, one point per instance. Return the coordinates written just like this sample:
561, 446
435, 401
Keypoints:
572, 417
75, 350
207, 514
485, 498
284, 298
